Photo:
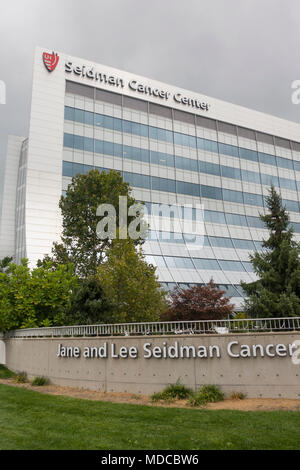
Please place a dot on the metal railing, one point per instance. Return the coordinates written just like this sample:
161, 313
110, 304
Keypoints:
258, 325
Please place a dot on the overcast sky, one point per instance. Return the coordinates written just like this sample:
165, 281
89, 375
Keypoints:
242, 51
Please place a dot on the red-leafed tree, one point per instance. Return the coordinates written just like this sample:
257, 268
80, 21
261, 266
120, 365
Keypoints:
198, 303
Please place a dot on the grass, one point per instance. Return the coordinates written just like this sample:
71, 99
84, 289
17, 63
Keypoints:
6, 373
32, 420
207, 394
20, 378
40, 381
173, 391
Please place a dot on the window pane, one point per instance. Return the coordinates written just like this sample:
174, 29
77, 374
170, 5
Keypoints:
68, 169
210, 192
232, 196
69, 140
248, 154
208, 145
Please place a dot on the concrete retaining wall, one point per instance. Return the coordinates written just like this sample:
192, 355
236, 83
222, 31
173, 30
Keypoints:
271, 373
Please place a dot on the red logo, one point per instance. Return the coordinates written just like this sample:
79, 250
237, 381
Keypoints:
50, 61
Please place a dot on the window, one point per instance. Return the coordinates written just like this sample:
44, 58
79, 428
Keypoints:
236, 219
268, 180
78, 142
255, 222
134, 179
163, 184
186, 163
210, 168
135, 153
184, 140
221, 242
67, 169
285, 163
250, 176
79, 115
130, 127
78, 169
231, 265
214, 217
291, 205
163, 159
243, 244
69, 140
210, 192
160, 134
191, 189
207, 264
247, 154
226, 149
88, 144
229, 172
207, 145
253, 199
248, 266
69, 113
297, 165
287, 183
233, 196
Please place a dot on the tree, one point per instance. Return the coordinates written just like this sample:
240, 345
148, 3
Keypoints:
131, 285
80, 243
4, 263
88, 304
277, 291
34, 298
198, 303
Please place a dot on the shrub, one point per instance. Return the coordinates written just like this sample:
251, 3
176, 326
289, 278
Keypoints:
237, 396
40, 381
207, 394
6, 373
198, 303
172, 392
21, 378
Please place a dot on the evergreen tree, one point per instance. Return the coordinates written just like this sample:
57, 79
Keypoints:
88, 304
277, 291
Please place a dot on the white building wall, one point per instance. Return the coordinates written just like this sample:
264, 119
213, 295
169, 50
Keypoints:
7, 219
44, 165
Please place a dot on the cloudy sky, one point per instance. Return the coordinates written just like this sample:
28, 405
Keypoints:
242, 51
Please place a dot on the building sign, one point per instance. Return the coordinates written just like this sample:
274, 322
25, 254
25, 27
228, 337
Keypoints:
134, 85
176, 351
50, 61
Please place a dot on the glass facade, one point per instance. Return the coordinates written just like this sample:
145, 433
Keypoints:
177, 158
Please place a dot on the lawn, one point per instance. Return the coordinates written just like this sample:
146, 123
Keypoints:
31, 420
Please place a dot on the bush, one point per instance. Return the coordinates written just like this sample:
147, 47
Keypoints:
6, 373
207, 394
176, 391
21, 378
237, 396
40, 381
